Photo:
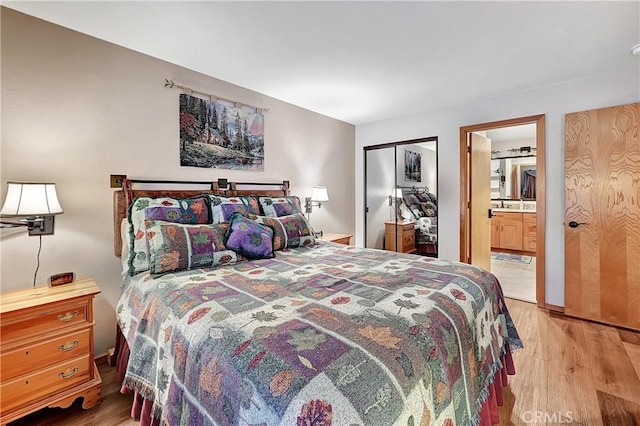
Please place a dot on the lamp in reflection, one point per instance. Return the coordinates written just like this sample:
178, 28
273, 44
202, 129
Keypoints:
393, 199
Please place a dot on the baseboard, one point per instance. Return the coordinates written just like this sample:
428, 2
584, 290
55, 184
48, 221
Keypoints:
554, 308
107, 358
102, 359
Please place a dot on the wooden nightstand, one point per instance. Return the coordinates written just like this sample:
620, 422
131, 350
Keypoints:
406, 236
336, 238
46, 349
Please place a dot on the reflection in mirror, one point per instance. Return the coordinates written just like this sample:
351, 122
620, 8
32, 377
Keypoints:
401, 210
417, 177
513, 164
513, 178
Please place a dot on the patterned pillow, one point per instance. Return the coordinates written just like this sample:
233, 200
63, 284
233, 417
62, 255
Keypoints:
223, 207
178, 247
422, 197
249, 238
280, 206
187, 210
289, 231
429, 209
412, 200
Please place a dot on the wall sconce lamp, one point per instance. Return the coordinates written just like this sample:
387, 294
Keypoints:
34, 205
502, 177
397, 195
319, 195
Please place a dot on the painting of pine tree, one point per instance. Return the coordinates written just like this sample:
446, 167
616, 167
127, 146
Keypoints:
220, 134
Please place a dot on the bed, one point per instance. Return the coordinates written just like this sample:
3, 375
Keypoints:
419, 205
319, 334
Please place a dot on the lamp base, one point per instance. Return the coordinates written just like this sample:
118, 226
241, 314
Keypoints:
44, 227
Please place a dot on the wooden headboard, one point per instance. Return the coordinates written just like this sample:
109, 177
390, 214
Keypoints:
123, 197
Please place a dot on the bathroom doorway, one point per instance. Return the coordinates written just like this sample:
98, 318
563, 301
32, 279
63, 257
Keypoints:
502, 203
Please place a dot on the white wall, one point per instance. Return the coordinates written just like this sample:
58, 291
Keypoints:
505, 145
76, 109
614, 88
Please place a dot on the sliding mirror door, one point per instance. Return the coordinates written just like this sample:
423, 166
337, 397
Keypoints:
401, 202
379, 183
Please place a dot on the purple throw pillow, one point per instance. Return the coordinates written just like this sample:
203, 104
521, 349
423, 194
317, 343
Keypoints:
249, 238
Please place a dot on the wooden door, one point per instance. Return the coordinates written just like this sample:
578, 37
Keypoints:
480, 201
602, 215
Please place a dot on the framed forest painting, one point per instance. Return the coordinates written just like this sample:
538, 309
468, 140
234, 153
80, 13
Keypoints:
412, 166
220, 134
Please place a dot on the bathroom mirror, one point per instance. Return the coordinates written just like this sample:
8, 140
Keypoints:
513, 179
513, 163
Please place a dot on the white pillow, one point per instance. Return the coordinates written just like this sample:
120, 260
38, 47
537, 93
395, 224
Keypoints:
124, 239
405, 212
417, 212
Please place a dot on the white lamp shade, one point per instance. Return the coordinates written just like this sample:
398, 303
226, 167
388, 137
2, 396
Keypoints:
31, 199
319, 193
398, 193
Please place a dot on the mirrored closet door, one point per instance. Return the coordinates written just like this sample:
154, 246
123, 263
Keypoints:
401, 202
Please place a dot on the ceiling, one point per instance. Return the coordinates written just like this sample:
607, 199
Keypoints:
361, 61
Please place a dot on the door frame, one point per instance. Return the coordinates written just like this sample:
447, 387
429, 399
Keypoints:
465, 234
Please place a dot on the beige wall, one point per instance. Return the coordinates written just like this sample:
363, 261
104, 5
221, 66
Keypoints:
76, 109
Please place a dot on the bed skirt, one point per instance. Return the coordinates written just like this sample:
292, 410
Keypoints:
141, 408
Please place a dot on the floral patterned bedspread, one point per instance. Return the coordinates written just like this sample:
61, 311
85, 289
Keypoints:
331, 334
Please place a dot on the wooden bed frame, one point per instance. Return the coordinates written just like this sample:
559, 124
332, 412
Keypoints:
123, 198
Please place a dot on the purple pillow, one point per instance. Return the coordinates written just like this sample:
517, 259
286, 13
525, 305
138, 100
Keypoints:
249, 238
191, 211
223, 207
280, 206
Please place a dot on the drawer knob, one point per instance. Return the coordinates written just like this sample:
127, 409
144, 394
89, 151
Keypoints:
68, 373
66, 347
68, 316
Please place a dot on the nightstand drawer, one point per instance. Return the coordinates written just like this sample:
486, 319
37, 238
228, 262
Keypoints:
45, 319
408, 227
403, 233
42, 354
408, 241
44, 382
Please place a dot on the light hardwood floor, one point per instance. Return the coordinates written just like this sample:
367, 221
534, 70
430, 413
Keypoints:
518, 280
570, 372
